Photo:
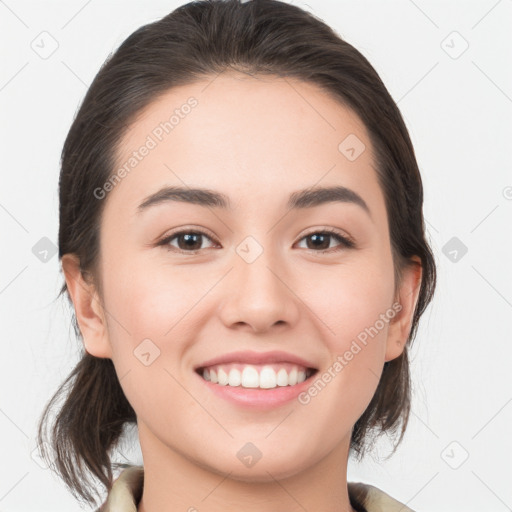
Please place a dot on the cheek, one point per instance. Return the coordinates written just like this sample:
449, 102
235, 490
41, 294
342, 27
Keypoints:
351, 300
147, 317
149, 300
355, 318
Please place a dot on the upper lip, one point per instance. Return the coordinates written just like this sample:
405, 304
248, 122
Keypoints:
250, 357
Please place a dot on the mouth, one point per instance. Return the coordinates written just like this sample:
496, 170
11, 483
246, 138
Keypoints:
256, 376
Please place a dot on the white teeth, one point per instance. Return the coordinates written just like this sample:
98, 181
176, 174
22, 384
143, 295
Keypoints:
223, 377
235, 377
268, 378
265, 377
250, 377
282, 377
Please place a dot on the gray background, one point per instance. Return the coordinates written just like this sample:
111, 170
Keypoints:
457, 104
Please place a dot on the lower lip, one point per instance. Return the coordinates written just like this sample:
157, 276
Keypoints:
257, 398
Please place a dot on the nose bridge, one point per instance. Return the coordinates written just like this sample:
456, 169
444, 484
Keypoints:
257, 266
259, 297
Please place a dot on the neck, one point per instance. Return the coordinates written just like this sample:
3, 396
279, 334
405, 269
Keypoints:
174, 482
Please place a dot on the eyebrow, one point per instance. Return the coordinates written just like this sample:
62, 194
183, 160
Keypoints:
307, 198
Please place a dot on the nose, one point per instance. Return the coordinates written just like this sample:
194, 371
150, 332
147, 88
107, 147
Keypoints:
257, 296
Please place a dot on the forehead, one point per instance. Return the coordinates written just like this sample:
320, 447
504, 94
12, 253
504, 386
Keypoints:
243, 134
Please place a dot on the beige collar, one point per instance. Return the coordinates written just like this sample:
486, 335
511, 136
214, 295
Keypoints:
127, 490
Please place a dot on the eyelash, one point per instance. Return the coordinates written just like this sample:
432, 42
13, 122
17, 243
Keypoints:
345, 242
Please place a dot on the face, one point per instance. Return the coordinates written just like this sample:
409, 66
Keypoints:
293, 287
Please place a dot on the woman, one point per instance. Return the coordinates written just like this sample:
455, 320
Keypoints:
242, 239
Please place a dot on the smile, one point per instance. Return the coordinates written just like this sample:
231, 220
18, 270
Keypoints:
267, 376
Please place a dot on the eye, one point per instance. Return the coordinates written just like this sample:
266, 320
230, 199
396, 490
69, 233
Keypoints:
188, 241
321, 240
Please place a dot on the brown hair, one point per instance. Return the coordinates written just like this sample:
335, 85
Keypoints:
198, 40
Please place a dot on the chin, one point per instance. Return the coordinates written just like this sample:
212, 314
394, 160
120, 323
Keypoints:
266, 469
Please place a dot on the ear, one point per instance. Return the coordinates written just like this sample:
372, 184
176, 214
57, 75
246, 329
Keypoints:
88, 309
405, 304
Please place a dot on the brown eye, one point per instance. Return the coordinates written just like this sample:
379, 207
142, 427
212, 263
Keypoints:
317, 241
321, 241
186, 241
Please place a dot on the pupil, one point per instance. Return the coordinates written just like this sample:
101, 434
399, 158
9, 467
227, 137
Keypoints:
316, 237
190, 238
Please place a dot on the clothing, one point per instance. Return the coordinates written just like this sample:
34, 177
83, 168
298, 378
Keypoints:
126, 493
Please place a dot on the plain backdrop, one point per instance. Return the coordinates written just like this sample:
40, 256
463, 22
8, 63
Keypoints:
447, 65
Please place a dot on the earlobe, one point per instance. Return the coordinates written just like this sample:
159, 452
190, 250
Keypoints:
408, 293
88, 309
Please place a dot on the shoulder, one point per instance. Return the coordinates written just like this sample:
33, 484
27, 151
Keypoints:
125, 492
372, 499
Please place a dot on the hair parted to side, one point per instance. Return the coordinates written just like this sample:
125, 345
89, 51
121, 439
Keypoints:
198, 40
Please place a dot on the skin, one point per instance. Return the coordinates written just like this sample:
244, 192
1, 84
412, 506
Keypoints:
256, 139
